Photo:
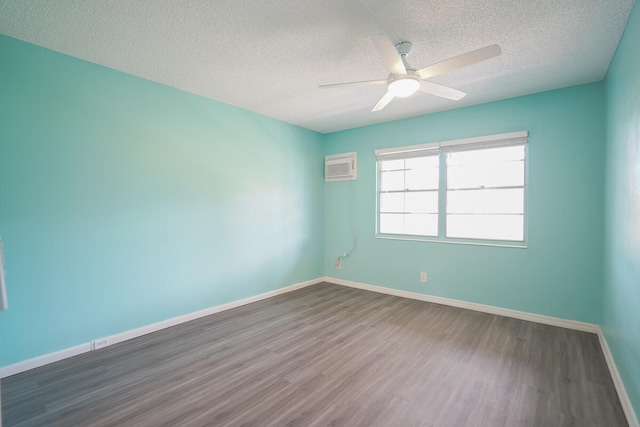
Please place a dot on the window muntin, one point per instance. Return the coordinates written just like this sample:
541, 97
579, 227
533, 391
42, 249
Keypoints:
478, 183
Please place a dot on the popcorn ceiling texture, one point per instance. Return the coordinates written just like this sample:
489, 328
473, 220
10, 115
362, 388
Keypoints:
270, 56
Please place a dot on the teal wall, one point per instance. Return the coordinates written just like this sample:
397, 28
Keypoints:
559, 274
621, 296
124, 202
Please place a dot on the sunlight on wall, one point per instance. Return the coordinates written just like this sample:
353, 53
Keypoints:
632, 220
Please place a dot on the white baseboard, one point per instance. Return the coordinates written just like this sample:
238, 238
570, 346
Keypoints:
632, 419
523, 315
45, 359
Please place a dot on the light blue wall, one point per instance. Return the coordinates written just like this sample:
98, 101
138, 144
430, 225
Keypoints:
621, 297
560, 274
124, 202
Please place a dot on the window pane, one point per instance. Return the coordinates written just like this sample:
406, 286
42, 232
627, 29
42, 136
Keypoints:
474, 175
422, 179
392, 202
388, 165
390, 181
428, 162
486, 201
495, 227
421, 224
486, 155
409, 224
421, 202
392, 223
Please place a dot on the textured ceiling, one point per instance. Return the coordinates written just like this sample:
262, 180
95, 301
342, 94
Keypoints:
270, 56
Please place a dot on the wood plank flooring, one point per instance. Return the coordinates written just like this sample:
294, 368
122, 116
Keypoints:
328, 355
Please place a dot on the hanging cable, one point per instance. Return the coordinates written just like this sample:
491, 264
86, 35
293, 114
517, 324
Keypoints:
351, 227
3, 290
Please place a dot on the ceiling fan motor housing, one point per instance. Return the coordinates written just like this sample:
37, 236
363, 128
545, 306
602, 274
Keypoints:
404, 48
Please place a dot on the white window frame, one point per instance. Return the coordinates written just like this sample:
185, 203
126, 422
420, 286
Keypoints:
408, 192
488, 141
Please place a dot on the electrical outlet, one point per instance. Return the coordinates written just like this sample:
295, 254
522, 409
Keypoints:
423, 277
102, 342
338, 264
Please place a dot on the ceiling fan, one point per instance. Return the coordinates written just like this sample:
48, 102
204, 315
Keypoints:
404, 81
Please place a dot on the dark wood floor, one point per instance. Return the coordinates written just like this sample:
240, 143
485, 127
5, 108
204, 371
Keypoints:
328, 355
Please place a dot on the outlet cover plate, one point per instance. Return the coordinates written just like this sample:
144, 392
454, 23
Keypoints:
101, 343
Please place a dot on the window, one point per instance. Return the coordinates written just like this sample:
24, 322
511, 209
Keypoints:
479, 184
409, 193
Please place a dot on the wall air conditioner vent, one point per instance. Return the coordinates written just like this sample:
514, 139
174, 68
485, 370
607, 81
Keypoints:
341, 167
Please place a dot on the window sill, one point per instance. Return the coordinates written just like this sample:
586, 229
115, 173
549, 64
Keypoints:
493, 243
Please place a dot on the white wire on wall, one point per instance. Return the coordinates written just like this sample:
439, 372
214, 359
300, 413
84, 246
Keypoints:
3, 290
351, 227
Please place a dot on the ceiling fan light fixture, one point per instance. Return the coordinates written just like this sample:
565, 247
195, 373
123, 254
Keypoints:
404, 87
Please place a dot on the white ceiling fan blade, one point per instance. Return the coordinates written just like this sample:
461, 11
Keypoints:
364, 82
387, 98
440, 90
390, 56
460, 61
